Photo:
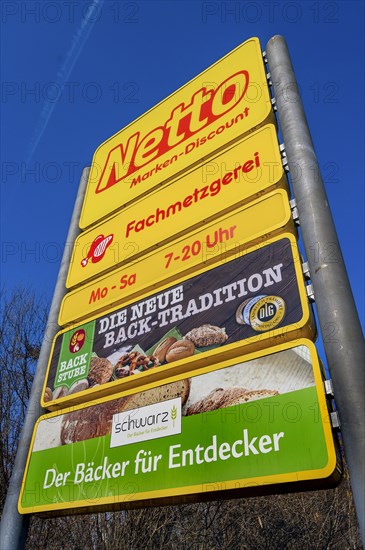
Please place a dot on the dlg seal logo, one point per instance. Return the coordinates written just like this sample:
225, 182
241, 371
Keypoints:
262, 313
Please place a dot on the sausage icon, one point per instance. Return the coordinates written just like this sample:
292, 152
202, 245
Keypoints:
97, 249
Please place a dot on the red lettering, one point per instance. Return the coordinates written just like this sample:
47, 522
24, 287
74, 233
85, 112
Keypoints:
98, 294
227, 178
247, 167
205, 107
127, 280
119, 164
148, 149
150, 220
188, 201
130, 227
211, 190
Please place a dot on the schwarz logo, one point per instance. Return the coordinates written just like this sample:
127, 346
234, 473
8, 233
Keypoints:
131, 423
149, 422
205, 107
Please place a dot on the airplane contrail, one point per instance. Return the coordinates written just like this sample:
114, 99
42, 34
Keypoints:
63, 74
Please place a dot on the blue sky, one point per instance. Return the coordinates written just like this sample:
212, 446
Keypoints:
74, 73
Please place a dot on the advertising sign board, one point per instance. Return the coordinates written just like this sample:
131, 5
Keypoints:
220, 105
232, 178
244, 426
248, 302
251, 223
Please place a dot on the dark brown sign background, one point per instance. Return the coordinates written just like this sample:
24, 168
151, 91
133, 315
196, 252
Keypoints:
155, 325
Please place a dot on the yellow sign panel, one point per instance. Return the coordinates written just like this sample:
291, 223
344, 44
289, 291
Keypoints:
221, 104
265, 422
246, 170
226, 236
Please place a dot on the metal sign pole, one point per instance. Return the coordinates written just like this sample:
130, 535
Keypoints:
337, 314
14, 526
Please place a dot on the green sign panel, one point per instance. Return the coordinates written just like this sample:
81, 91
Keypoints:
75, 356
258, 420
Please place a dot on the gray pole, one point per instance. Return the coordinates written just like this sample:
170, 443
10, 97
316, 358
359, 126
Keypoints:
337, 314
14, 527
